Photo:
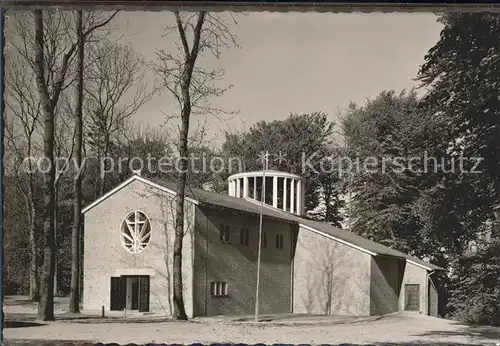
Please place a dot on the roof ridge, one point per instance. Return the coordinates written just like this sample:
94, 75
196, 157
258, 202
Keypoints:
249, 205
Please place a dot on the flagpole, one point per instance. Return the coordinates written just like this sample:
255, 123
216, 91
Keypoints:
262, 197
2, 193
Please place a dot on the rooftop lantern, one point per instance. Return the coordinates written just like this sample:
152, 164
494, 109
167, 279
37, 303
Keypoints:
284, 191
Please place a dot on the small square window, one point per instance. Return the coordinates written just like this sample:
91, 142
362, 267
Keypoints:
218, 289
279, 241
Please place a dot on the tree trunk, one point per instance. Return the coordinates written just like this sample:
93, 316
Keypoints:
328, 199
56, 206
46, 303
180, 312
74, 300
34, 293
185, 82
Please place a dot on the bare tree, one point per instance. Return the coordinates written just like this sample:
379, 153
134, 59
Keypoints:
51, 81
22, 125
192, 86
148, 143
115, 89
74, 301
46, 304
23, 112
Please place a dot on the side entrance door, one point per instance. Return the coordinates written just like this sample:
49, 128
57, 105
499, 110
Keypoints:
412, 297
118, 292
143, 293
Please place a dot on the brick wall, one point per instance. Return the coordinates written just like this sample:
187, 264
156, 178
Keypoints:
330, 277
104, 255
236, 264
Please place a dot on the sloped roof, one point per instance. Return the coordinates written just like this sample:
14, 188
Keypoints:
245, 205
208, 198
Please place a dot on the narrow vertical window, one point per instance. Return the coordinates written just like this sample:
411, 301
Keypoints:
279, 241
224, 234
264, 240
244, 237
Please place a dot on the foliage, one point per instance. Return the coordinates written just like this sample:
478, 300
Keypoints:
461, 73
475, 294
293, 144
382, 136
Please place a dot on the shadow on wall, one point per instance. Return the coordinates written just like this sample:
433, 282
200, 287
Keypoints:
331, 289
250, 222
385, 284
237, 264
167, 206
166, 224
241, 294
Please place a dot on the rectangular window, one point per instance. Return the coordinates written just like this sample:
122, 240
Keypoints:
244, 237
218, 289
279, 241
264, 240
224, 234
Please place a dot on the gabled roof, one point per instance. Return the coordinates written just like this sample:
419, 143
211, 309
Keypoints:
125, 183
203, 197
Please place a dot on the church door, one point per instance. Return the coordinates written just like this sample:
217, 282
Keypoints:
118, 288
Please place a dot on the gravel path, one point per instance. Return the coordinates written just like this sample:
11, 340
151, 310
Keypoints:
395, 329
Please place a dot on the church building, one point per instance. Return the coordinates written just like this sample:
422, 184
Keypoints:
307, 267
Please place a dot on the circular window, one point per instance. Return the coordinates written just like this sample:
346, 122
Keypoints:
135, 232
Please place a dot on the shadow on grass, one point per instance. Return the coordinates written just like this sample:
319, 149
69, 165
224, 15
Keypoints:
484, 332
299, 319
121, 320
418, 343
29, 320
18, 302
86, 318
37, 342
40, 342
24, 301
21, 324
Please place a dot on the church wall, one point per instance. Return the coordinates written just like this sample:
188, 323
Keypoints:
105, 256
236, 264
330, 278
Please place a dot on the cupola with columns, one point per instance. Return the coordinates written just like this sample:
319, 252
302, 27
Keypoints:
283, 190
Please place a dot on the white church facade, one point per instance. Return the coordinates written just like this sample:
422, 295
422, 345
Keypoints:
306, 266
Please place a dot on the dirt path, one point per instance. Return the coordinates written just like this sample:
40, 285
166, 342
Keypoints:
396, 329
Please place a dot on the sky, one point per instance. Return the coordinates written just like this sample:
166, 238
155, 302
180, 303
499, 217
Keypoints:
296, 62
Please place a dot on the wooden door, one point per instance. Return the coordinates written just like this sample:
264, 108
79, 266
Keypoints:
143, 293
118, 290
412, 297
